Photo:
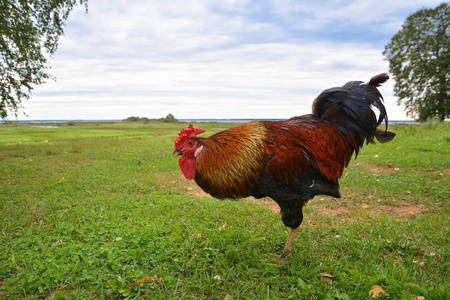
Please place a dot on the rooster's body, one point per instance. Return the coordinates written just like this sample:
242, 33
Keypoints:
289, 161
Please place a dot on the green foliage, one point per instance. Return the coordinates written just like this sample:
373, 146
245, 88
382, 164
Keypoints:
125, 224
135, 119
168, 119
28, 29
419, 60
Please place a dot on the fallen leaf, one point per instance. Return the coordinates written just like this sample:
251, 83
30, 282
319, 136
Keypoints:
146, 278
418, 298
376, 291
326, 277
62, 180
420, 263
365, 205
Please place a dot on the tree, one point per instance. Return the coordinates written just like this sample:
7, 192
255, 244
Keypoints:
28, 30
419, 60
170, 118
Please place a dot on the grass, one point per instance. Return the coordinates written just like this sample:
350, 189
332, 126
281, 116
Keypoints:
101, 210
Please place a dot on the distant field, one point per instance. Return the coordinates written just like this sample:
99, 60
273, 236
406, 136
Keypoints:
101, 210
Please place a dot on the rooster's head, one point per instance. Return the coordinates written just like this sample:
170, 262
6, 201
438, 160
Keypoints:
189, 148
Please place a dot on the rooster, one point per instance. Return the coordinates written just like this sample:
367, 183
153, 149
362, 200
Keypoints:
290, 161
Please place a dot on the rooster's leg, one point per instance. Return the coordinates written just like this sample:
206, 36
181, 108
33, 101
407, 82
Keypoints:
290, 241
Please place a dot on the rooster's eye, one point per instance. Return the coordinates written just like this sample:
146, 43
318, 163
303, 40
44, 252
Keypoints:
191, 143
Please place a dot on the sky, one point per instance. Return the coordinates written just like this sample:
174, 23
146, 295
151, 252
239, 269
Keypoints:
215, 59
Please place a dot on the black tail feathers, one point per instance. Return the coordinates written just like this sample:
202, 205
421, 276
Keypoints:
350, 109
379, 79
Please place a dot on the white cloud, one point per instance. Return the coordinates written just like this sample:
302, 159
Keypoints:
213, 59
284, 76
341, 13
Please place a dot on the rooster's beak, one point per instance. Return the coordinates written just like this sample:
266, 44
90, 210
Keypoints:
177, 152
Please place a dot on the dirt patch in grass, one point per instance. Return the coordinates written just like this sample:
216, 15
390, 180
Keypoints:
188, 186
389, 169
269, 203
442, 171
197, 193
402, 209
383, 169
323, 210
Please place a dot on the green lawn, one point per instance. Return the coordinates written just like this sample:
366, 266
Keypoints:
101, 210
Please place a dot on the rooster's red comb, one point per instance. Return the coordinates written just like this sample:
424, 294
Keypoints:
187, 133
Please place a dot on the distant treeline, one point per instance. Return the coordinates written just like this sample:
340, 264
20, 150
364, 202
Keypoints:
169, 119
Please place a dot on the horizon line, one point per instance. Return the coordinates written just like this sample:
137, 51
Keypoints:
218, 120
